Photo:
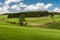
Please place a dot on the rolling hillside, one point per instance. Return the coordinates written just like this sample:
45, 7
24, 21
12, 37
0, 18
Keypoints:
15, 32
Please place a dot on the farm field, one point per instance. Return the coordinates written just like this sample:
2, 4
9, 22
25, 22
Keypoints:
29, 19
36, 21
15, 32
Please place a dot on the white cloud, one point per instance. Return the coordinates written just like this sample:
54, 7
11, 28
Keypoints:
38, 6
14, 0
22, 5
47, 6
0, 10
30, 8
5, 9
56, 9
9, 1
19, 6
15, 7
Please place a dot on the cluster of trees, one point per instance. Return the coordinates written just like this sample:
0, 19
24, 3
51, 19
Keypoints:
29, 14
23, 15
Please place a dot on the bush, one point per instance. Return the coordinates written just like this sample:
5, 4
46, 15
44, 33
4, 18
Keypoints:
14, 22
7, 21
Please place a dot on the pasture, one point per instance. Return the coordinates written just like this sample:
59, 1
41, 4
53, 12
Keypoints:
10, 31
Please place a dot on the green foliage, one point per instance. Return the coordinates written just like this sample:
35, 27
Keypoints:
29, 14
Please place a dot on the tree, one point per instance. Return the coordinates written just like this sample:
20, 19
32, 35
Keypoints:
22, 20
52, 16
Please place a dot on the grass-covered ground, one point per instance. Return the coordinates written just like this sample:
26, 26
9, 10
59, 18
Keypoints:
15, 32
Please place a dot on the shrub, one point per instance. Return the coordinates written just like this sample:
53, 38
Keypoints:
7, 21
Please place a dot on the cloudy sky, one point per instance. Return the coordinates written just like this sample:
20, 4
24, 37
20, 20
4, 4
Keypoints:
7, 6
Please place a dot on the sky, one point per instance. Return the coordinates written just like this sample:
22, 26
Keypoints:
9, 6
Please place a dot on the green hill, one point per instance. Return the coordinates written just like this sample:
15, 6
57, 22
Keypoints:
15, 32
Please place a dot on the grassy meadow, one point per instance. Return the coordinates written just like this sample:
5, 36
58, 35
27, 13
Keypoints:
10, 31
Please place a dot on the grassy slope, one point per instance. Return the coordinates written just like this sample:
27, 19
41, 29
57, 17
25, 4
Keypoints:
38, 19
15, 32
57, 25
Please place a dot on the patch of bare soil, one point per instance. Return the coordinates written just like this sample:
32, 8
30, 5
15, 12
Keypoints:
40, 25
36, 25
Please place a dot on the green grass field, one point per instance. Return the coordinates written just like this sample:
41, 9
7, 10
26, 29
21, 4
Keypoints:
15, 32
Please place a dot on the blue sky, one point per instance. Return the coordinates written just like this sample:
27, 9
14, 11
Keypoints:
29, 5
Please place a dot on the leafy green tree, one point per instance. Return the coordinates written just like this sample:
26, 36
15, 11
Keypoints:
22, 20
52, 17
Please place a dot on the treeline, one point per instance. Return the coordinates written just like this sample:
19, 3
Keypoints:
31, 14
